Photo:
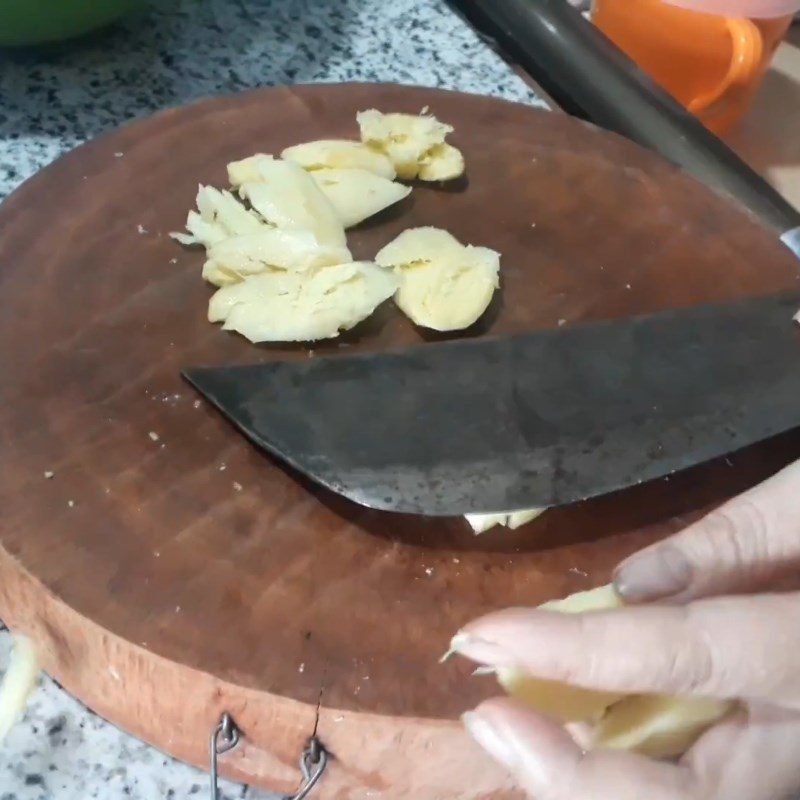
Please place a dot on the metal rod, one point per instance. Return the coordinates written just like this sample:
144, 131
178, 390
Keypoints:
224, 737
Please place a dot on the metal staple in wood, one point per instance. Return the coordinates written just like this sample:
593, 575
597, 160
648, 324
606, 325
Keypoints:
226, 736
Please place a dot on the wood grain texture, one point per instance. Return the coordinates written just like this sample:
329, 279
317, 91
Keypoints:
288, 606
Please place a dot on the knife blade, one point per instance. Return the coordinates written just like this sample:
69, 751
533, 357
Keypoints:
541, 419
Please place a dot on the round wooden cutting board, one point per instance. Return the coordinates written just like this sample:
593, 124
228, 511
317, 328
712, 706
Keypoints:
169, 571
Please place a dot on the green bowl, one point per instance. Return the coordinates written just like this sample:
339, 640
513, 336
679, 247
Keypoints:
25, 22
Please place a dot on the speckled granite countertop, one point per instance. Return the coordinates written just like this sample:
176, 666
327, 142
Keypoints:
176, 52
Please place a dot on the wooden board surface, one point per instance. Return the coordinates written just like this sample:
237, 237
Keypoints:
168, 580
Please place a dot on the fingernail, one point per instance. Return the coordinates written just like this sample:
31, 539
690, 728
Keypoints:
653, 574
487, 736
481, 650
580, 733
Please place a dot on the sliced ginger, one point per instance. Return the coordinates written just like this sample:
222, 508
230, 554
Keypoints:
655, 725
415, 144
219, 215
444, 285
279, 305
558, 700
561, 700
278, 251
442, 162
340, 154
357, 194
235, 258
286, 196
17, 683
480, 523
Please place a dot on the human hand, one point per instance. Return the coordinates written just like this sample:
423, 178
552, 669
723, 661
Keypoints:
694, 642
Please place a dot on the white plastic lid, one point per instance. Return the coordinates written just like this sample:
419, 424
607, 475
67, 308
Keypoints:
754, 9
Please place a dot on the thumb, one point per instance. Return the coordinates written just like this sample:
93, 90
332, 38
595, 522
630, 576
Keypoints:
746, 543
550, 766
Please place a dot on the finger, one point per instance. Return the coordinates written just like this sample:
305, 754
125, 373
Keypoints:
744, 544
754, 754
722, 647
550, 766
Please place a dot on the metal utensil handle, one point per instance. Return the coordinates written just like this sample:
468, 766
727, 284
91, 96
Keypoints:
589, 76
226, 736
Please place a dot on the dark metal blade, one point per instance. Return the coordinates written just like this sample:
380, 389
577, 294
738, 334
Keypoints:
541, 419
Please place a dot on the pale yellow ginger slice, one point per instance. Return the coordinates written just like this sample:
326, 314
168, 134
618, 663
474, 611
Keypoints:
480, 523
561, 700
200, 231
450, 295
236, 257
444, 285
516, 519
420, 245
357, 194
246, 170
414, 143
18, 682
220, 215
557, 700
223, 208
286, 196
656, 725
603, 598
441, 163
340, 154
280, 305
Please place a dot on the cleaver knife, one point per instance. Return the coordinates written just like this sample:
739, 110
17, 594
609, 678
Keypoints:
556, 416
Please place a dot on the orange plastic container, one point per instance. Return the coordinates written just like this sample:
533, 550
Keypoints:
712, 64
